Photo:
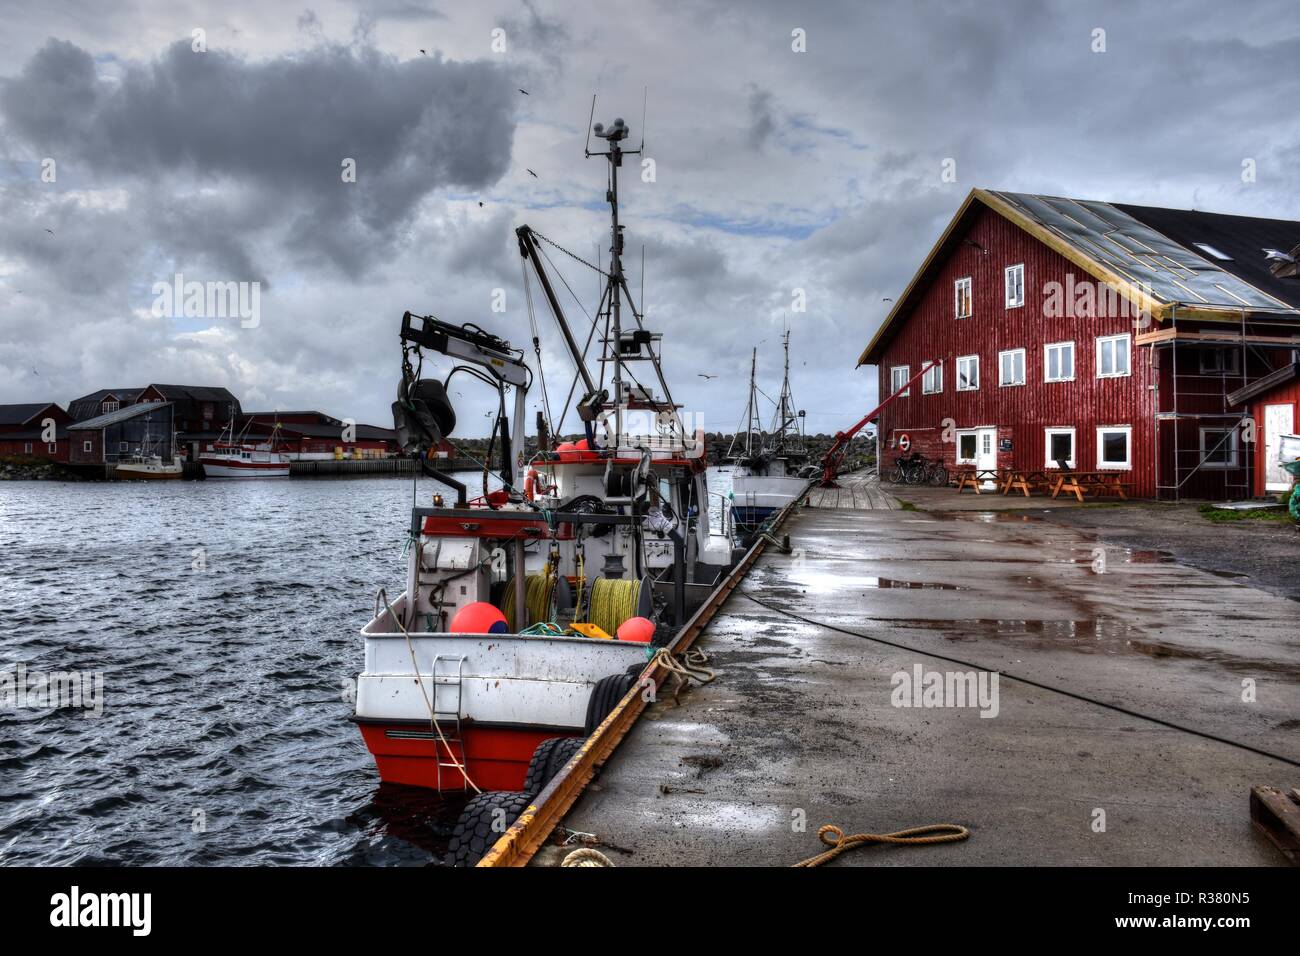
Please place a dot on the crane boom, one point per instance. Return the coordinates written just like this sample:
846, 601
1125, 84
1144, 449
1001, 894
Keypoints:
835, 454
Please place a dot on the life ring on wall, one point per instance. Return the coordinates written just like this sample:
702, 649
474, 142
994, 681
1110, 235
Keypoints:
905, 441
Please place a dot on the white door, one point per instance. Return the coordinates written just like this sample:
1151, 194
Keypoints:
986, 451
1279, 420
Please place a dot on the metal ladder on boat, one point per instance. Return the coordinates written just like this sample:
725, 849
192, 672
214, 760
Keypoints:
446, 710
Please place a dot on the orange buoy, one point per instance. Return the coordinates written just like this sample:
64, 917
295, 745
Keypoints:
640, 630
479, 618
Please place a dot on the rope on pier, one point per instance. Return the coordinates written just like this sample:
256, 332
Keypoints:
689, 668
586, 857
927, 835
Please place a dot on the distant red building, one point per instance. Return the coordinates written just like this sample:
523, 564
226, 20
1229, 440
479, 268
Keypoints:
308, 435
27, 430
1106, 336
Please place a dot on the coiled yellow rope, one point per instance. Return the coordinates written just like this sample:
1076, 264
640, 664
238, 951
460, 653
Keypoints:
834, 838
613, 601
538, 591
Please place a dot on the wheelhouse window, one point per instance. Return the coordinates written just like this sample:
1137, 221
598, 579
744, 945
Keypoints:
968, 373
1219, 448
1015, 286
899, 376
932, 380
1114, 447
1058, 362
1113, 356
1059, 444
962, 298
1011, 367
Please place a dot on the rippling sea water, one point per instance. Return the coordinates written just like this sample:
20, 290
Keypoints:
224, 737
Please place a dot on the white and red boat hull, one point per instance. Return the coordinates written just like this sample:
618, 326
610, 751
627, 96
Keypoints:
497, 696
219, 468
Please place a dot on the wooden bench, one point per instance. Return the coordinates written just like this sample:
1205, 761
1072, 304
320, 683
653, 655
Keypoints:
974, 477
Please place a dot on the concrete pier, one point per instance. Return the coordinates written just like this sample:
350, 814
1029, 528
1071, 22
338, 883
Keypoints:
802, 726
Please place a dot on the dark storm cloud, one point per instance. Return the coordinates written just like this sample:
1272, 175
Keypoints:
281, 128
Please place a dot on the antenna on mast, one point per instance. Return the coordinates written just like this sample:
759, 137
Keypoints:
645, 95
586, 149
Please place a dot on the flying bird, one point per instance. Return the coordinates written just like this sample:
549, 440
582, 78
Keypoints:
480, 204
426, 54
533, 174
886, 299
703, 375
525, 92
50, 231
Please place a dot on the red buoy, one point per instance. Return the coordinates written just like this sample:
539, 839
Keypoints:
479, 618
639, 630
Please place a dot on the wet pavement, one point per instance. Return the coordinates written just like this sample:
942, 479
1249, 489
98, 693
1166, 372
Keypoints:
803, 725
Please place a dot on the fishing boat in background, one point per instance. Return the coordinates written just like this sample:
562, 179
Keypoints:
530, 610
150, 464
242, 458
769, 468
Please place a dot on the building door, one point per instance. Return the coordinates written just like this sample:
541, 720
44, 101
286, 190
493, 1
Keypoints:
986, 453
1279, 420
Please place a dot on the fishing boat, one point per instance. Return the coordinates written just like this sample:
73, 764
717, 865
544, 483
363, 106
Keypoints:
529, 610
149, 463
237, 457
769, 468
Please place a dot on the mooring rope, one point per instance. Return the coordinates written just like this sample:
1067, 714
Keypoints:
689, 668
587, 857
927, 835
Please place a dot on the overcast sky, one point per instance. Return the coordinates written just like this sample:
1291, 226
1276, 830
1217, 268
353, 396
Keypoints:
775, 170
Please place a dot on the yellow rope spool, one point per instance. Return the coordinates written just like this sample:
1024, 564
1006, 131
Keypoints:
539, 589
613, 601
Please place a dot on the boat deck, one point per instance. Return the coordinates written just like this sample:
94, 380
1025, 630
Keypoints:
799, 726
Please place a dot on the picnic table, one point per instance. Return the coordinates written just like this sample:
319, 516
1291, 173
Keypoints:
1099, 483
974, 477
1025, 479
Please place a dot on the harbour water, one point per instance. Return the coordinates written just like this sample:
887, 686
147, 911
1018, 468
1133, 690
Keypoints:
223, 619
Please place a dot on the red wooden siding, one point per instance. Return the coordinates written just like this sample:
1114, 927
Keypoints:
1282, 395
1020, 413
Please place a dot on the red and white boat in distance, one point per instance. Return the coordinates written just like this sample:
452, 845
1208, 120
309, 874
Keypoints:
238, 458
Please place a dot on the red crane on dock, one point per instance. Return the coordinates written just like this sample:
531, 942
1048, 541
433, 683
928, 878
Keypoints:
834, 456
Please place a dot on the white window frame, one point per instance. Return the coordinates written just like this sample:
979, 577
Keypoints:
1102, 341
959, 287
27, 448
87, 446
110, 406
1005, 384
1232, 448
893, 385
967, 433
123, 446
1047, 351
1128, 460
932, 380
969, 359
1013, 285
52, 447
1049, 461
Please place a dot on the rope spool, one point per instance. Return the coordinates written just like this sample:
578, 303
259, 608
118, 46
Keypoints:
613, 601
539, 590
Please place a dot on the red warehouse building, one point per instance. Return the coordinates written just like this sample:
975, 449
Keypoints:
35, 430
1110, 337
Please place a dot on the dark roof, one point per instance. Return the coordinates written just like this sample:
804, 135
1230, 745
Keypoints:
1242, 238
202, 393
21, 414
1266, 384
105, 392
121, 415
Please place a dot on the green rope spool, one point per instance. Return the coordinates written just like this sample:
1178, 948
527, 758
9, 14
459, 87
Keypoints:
539, 589
613, 601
